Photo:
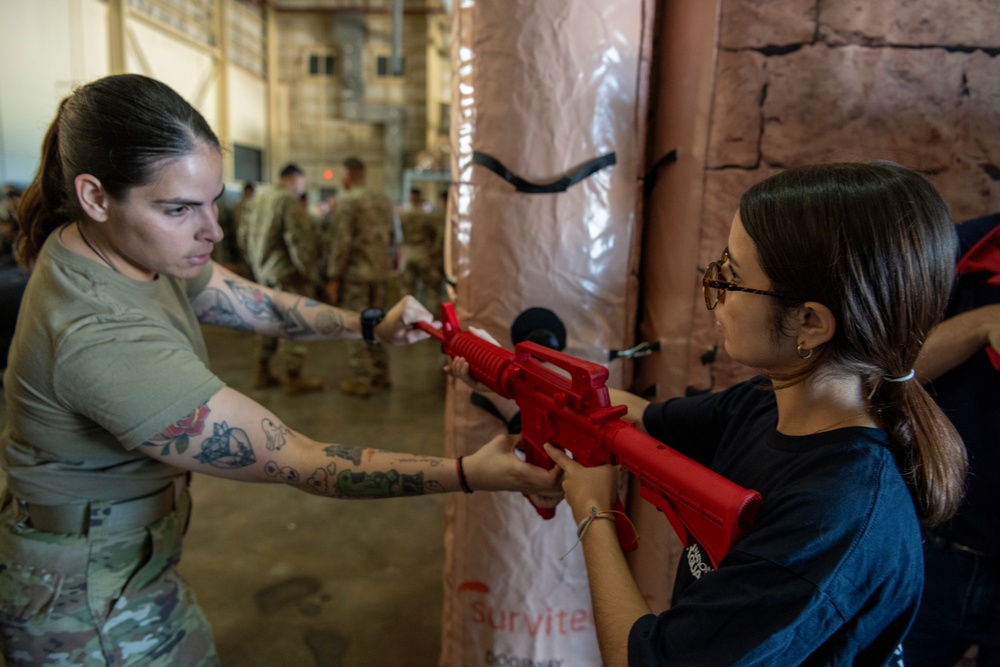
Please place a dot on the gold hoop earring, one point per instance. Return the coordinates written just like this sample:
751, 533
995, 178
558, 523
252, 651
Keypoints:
808, 353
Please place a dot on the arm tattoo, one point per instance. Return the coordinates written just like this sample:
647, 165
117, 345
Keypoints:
330, 323
227, 448
255, 301
352, 454
293, 324
388, 484
286, 473
275, 434
213, 306
179, 433
322, 481
360, 484
434, 463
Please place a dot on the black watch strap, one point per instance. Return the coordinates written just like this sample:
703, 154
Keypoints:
370, 317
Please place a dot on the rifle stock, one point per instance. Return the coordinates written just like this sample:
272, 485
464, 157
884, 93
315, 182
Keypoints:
570, 407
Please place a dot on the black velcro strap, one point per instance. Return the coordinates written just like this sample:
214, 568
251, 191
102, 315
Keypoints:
560, 185
654, 171
480, 401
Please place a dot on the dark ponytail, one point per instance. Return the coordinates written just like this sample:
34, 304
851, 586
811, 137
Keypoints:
44, 204
875, 244
118, 129
935, 462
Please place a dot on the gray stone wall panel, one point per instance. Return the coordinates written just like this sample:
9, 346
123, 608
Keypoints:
735, 139
962, 23
857, 103
979, 109
754, 24
968, 189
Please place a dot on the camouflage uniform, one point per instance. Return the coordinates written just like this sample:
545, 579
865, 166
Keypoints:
361, 262
423, 272
239, 217
282, 249
99, 599
226, 252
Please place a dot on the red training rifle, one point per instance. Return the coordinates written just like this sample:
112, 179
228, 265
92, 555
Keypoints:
573, 411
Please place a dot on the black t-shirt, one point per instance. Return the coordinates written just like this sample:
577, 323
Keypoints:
833, 569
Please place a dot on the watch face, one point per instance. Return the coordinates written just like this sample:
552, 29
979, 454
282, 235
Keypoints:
369, 318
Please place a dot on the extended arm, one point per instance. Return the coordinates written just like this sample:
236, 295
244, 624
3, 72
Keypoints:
958, 338
617, 600
234, 437
636, 405
234, 302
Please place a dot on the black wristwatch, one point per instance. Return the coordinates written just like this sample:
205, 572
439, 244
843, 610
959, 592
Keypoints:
370, 317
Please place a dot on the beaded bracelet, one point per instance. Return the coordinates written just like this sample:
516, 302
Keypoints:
462, 482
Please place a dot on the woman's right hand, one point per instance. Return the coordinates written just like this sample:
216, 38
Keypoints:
397, 326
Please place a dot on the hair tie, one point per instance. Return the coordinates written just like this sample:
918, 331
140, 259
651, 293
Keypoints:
462, 482
904, 378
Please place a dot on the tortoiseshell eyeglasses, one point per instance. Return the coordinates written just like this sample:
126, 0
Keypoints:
716, 286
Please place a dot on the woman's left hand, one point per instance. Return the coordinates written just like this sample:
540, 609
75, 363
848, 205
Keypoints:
496, 467
397, 326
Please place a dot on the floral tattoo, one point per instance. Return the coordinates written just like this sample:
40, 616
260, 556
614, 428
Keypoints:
179, 433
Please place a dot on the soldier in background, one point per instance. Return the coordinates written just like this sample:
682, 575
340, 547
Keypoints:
9, 228
239, 215
226, 252
422, 249
360, 267
417, 201
327, 212
281, 244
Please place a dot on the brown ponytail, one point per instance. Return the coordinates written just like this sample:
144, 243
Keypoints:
933, 455
44, 202
875, 244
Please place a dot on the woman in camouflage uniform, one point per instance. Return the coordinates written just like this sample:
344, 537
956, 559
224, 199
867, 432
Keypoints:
110, 399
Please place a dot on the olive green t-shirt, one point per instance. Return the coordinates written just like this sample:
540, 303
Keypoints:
99, 364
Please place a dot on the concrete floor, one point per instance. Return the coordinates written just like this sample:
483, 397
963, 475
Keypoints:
287, 578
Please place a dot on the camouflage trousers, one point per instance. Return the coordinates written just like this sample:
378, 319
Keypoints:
368, 363
422, 277
292, 353
99, 599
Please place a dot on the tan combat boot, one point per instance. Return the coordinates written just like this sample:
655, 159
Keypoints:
296, 384
264, 378
355, 388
